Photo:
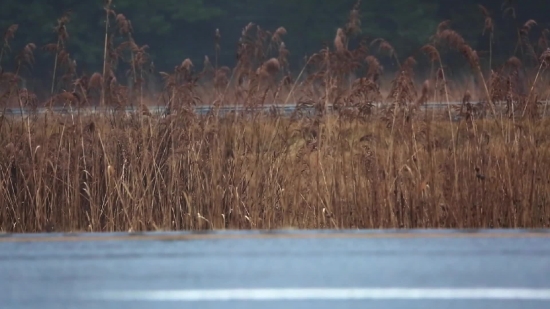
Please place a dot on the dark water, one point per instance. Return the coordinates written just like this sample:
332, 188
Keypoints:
285, 109
203, 271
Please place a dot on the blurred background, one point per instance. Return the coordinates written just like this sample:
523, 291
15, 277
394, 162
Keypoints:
175, 30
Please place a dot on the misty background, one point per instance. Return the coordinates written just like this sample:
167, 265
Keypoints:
175, 30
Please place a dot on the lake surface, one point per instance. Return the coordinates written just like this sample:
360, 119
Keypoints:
281, 269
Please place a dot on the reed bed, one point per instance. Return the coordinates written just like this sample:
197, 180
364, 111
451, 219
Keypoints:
363, 165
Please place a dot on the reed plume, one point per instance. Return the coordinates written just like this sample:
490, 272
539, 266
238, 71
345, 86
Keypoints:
488, 27
340, 41
108, 12
9, 34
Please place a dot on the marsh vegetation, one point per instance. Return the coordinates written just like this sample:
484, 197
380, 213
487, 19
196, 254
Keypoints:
480, 163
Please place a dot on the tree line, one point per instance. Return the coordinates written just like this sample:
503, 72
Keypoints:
175, 30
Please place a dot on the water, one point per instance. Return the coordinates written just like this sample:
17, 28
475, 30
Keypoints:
283, 109
277, 270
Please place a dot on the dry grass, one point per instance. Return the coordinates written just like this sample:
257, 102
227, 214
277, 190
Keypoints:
362, 166
268, 172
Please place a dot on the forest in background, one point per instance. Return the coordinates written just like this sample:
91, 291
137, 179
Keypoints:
175, 30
